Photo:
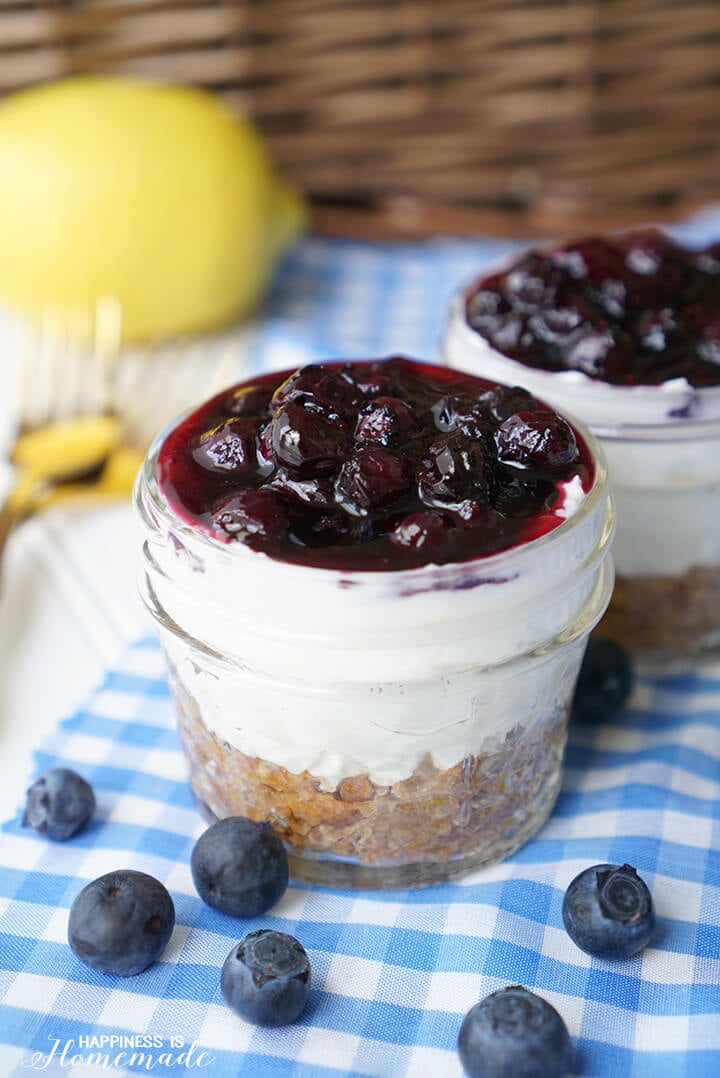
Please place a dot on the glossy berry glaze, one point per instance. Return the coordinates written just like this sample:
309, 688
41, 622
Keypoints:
372, 466
636, 309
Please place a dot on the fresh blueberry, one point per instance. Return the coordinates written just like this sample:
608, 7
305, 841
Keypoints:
59, 804
514, 1034
608, 911
605, 681
266, 978
239, 867
121, 922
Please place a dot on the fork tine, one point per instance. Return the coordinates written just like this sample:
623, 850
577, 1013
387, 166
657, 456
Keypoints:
107, 346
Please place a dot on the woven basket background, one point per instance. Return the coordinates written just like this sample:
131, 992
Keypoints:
408, 118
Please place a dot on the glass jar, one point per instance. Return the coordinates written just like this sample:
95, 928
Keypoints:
396, 728
662, 445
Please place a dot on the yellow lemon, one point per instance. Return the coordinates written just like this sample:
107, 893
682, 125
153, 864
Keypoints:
157, 195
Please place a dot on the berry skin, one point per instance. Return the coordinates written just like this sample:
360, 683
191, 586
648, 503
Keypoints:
59, 804
420, 531
239, 867
228, 448
251, 515
266, 978
514, 1034
121, 922
371, 478
539, 443
307, 443
608, 911
605, 681
384, 420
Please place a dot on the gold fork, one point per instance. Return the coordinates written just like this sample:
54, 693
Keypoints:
68, 441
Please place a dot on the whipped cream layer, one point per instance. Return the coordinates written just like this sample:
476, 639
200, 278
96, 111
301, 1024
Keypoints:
662, 444
342, 673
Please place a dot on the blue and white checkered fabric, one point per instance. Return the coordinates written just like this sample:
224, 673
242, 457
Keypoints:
393, 973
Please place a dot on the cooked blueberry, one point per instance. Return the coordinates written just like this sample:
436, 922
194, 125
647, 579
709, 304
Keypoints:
608, 911
384, 420
371, 478
59, 804
308, 443
454, 469
266, 978
590, 350
251, 515
605, 681
239, 867
504, 401
315, 492
248, 400
318, 389
517, 498
513, 1033
423, 530
121, 922
228, 447
539, 443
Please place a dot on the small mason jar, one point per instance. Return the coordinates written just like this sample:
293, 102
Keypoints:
662, 445
397, 728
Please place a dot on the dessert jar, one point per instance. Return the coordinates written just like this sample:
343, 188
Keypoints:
397, 728
662, 444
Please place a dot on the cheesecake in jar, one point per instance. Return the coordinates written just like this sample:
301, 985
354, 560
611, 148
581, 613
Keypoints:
374, 582
624, 333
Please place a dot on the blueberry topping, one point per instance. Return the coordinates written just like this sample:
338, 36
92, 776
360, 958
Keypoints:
454, 469
514, 1034
251, 514
384, 420
266, 978
239, 867
424, 530
624, 311
59, 804
228, 447
308, 443
540, 443
608, 911
325, 466
320, 390
605, 681
121, 922
371, 478
248, 400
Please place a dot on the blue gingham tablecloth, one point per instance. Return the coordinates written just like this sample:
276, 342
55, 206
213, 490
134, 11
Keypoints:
393, 972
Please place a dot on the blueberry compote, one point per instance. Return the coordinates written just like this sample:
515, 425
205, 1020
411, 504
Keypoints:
634, 309
382, 465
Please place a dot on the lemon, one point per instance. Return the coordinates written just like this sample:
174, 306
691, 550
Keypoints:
157, 195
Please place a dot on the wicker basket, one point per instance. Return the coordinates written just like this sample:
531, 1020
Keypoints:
408, 118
